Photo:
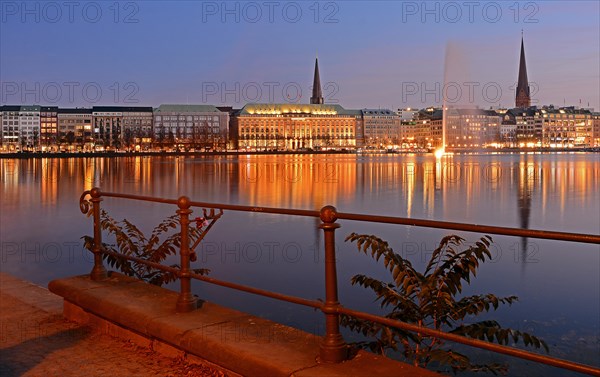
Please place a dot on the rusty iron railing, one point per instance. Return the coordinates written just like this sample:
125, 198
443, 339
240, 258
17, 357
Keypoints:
333, 348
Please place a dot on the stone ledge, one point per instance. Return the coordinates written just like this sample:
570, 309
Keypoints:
236, 341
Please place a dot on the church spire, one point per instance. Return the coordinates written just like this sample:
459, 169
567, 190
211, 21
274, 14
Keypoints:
317, 94
522, 98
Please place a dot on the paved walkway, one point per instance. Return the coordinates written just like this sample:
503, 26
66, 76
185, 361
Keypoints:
35, 340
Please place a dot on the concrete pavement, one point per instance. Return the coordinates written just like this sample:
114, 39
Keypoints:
35, 340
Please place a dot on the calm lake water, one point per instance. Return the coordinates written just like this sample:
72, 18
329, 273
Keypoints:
558, 283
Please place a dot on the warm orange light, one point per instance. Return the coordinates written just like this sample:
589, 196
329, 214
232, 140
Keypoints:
439, 152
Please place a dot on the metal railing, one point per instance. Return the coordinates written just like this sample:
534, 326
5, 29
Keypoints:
333, 348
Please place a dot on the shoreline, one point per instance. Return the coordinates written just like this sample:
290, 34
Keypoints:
27, 155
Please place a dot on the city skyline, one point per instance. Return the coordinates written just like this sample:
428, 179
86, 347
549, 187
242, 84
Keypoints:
218, 54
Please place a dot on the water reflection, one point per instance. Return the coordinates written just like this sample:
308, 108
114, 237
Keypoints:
557, 192
528, 174
413, 186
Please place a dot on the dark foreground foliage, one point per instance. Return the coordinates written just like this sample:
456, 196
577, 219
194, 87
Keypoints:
165, 240
431, 299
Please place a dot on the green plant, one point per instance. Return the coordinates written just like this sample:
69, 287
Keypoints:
130, 241
430, 299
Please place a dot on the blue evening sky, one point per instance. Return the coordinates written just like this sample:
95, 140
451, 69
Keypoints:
371, 53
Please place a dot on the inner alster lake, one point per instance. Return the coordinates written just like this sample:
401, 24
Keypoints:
558, 283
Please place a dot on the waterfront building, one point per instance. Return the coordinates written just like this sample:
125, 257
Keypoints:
565, 127
10, 128
29, 126
295, 126
425, 130
108, 125
508, 128
521, 126
137, 127
191, 126
48, 127
20, 127
75, 130
596, 129
359, 126
436, 128
522, 98
471, 128
121, 126
291, 126
407, 132
381, 127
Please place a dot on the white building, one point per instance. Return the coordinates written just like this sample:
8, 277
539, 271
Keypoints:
20, 127
29, 126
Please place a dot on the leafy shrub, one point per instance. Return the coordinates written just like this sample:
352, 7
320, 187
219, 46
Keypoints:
131, 241
430, 299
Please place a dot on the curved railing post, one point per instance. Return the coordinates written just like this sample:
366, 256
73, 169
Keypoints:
333, 349
98, 272
186, 301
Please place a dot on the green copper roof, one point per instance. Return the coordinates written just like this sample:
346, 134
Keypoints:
354, 112
293, 108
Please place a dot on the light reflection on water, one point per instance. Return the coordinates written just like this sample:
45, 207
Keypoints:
558, 283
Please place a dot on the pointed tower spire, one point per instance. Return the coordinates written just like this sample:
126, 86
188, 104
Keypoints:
522, 98
317, 94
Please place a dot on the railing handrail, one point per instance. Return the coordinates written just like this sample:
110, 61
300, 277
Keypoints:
333, 348
475, 228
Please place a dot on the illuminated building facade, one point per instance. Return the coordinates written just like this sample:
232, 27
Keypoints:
119, 126
425, 130
520, 125
20, 127
48, 126
108, 125
295, 126
381, 127
29, 125
407, 132
75, 131
508, 128
566, 127
137, 127
202, 126
10, 127
596, 129
471, 128
292, 126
